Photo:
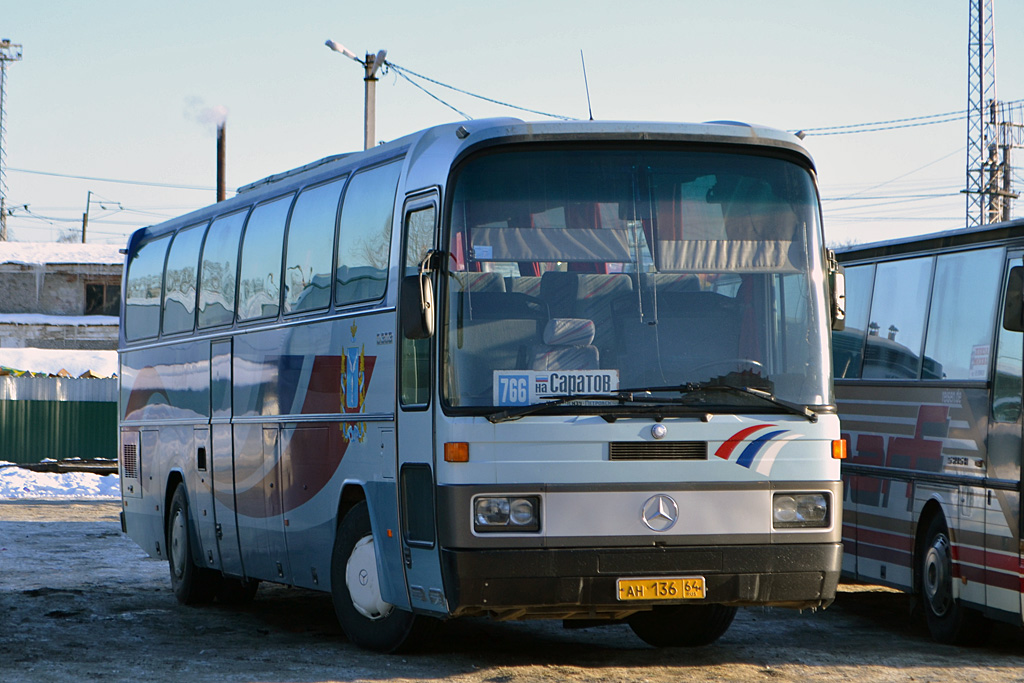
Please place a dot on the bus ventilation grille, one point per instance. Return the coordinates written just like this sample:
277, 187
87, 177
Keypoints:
130, 461
660, 450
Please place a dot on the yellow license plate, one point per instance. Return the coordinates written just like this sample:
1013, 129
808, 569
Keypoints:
675, 588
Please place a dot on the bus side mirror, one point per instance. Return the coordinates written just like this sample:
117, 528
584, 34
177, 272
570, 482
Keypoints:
416, 307
837, 286
416, 300
1013, 309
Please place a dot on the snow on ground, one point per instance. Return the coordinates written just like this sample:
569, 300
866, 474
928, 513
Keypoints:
19, 483
49, 361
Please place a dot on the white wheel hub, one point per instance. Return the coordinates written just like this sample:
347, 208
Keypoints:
178, 543
361, 579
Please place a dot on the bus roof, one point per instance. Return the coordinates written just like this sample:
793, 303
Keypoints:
936, 241
446, 143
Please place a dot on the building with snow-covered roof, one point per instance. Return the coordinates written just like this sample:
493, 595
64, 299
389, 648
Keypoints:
59, 296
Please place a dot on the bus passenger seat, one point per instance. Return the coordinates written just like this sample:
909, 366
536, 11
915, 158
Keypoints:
567, 346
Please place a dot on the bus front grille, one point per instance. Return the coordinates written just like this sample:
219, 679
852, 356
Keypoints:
658, 450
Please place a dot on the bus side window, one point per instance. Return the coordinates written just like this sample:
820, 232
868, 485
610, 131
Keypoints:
307, 273
143, 290
965, 294
848, 343
217, 277
896, 324
364, 237
259, 278
180, 281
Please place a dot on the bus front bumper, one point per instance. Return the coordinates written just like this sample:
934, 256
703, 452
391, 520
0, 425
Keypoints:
582, 583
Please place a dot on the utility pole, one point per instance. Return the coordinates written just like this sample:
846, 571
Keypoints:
9, 52
85, 216
371, 65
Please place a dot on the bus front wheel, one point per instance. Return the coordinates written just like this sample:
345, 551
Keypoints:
682, 625
948, 620
191, 583
367, 619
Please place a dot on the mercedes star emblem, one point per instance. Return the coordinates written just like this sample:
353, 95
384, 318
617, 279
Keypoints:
659, 513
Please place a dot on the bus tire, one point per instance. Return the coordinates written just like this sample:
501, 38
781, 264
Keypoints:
367, 620
682, 625
948, 620
191, 583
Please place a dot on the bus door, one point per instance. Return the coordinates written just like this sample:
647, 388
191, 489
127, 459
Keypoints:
203, 514
1002, 504
220, 458
416, 485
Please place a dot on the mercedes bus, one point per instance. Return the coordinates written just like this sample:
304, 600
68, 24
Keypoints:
572, 370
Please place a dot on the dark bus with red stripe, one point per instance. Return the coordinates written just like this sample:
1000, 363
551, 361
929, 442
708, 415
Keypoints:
928, 381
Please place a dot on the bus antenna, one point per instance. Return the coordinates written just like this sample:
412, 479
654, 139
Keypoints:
590, 110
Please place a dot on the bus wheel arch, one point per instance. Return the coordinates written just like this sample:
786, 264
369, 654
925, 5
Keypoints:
367, 620
191, 583
949, 621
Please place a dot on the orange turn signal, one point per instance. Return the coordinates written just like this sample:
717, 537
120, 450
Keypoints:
457, 451
839, 449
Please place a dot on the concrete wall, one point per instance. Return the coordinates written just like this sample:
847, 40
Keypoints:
42, 336
51, 290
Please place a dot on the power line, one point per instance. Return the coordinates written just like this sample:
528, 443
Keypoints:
115, 180
400, 69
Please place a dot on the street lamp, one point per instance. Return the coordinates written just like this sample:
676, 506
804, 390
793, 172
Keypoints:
371, 65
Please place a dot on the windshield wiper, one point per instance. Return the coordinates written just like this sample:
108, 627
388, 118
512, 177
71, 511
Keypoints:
767, 396
645, 395
621, 397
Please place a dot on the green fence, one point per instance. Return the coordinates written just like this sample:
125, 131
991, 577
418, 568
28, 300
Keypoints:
56, 417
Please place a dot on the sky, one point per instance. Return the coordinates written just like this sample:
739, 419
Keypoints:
129, 91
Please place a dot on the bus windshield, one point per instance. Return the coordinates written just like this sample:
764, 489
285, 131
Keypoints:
592, 271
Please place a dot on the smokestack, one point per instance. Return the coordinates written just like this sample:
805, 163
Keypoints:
221, 135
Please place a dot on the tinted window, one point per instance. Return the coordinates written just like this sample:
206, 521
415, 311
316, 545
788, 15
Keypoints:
364, 239
260, 272
142, 292
307, 275
415, 358
896, 323
964, 300
848, 344
220, 260
180, 281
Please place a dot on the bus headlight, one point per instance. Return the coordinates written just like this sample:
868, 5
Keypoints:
506, 513
800, 510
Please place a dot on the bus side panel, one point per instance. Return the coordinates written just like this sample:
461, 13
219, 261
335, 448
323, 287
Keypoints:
222, 464
252, 491
929, 436
306, 460
289, 478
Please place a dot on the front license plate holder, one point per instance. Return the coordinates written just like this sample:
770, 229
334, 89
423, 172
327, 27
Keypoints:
662, 588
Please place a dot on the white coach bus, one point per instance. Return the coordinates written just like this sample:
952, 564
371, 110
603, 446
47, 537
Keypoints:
928, 379
557, 370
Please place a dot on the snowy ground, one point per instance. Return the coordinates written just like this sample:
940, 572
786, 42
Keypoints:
81, 601
21, 484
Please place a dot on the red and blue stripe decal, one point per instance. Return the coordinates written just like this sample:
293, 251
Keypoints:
754, 446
